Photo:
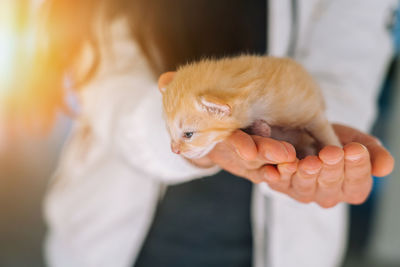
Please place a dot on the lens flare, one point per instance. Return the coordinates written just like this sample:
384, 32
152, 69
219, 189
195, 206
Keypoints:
16, 42
8, 43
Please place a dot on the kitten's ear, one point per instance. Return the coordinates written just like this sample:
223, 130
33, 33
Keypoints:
214, 105
164, 80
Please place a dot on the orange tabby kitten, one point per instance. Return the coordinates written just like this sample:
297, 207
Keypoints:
206, 101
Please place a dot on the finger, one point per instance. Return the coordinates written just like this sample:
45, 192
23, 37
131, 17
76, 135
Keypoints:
282, 182
273, 179
357, 182
271, 174
286, 171
304, 180
329, 183
278, 178
266, 173
243, 144
274, 151
382, 161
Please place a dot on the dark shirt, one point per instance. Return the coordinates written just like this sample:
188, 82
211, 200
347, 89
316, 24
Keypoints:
203, 223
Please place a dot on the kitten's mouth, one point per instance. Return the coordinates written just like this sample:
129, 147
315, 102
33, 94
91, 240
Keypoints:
195, 154
198, 153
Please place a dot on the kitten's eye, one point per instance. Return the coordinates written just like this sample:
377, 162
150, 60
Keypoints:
187, 135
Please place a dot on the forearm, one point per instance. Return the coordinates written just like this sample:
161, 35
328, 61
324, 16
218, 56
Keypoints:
143, 140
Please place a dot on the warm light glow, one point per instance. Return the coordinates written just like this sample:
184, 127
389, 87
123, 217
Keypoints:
7, 54
16, 44
7, 42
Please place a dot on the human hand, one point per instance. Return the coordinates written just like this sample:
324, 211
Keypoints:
336, 174
248, 156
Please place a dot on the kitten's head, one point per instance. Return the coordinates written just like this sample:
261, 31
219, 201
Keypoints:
196, 120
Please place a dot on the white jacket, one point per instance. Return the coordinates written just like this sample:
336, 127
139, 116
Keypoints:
117, 161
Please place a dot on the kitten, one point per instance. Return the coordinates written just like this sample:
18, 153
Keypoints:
205, 102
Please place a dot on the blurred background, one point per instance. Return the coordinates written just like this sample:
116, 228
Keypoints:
27, 162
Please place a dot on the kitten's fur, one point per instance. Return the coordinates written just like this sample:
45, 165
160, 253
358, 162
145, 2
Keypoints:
212, 98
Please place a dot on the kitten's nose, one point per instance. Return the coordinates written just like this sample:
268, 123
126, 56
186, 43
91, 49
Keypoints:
175, 148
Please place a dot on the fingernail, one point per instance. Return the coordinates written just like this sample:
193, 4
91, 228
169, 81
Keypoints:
288, 167
292, 167
312, 171
333, 161
354, 157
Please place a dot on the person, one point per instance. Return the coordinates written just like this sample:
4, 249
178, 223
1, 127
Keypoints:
117, 167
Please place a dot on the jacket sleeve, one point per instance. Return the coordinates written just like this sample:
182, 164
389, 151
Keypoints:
123, 105
347, 47
143, 140
101, 200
